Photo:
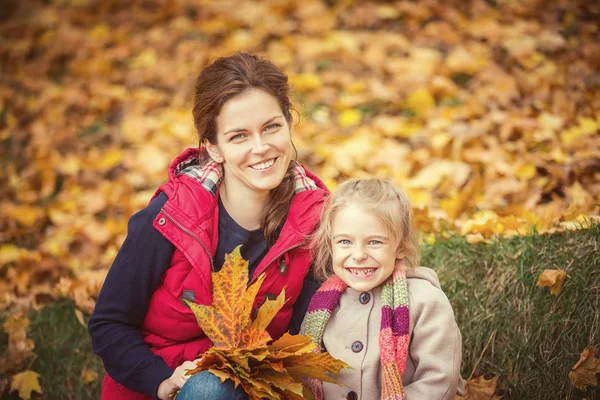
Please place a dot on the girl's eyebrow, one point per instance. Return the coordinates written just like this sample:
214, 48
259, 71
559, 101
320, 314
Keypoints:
378, 237
235, 130
343, 235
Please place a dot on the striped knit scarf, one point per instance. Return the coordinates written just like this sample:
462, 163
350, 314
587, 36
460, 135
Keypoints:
393, 339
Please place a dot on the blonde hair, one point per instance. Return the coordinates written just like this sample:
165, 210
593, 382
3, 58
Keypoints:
377, 196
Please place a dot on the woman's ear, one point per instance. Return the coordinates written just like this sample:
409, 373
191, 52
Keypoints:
213, 151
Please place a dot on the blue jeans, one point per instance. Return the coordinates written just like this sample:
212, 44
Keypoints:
206, 386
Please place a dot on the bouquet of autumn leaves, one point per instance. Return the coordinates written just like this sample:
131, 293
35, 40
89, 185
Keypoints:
243, 350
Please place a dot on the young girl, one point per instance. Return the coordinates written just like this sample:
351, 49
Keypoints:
377, 311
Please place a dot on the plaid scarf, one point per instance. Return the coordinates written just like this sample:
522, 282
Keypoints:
393, 339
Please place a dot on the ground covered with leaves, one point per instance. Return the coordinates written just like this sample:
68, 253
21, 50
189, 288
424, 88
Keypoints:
486, 112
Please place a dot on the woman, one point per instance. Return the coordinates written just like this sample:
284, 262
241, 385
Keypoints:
241, 186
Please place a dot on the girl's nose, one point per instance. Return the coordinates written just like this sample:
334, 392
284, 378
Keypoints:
359, 255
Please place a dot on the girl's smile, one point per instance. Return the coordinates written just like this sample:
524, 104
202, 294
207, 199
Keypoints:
364, 272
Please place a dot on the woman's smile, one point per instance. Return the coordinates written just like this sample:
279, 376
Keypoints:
264, 165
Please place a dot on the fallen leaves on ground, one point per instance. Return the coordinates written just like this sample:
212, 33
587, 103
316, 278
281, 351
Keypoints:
486, 113
583, 374
26, 382
20, 347
243, 351
552, 278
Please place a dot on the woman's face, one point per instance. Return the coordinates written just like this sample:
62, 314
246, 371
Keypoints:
253, 142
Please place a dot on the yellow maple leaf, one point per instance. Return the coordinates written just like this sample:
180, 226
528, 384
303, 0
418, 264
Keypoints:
525, 171
350, 117
89, 376
306, 82
420, 101
583, 373
241, 351
8, 253
26, 382
553, 278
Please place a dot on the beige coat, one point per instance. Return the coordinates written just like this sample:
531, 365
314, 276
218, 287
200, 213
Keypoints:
435, 349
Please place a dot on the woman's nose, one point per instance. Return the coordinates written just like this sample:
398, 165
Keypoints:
260, 145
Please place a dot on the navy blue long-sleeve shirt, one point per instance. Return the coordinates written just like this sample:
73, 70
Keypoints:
115, 325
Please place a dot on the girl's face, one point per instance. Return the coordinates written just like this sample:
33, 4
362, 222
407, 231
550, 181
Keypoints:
363, 252
253, 142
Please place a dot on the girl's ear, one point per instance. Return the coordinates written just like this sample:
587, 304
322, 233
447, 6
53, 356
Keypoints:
213, 151
400, 254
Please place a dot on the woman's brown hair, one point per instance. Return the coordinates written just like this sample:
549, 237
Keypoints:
225, 78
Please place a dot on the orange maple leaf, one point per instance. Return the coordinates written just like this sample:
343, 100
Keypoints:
242, 351
553, 278
480, 389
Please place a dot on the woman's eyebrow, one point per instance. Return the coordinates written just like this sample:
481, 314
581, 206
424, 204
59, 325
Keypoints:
242, 129
272, 119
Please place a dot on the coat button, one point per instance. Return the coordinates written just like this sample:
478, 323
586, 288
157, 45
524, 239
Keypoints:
364, 298
357, 346
162, 221
352, 396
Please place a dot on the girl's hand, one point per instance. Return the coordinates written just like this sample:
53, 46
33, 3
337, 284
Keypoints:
175, 381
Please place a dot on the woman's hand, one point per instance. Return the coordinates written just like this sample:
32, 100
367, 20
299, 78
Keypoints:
175, 381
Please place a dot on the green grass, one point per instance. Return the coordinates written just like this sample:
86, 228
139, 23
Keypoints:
63, 348
534, 337
525, 336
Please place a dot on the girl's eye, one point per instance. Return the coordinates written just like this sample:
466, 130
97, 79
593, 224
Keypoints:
375, 242
272, 127
345, 242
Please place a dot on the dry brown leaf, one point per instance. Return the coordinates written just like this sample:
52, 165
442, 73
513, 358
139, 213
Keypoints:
480, 389
553, 278
20, 348
583, 373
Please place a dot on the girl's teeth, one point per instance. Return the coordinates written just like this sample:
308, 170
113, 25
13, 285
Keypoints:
361, 272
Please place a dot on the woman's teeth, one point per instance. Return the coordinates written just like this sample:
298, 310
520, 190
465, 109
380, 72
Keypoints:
361, 271
263, 165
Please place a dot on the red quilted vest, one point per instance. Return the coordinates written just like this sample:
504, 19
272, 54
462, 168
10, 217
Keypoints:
189, 220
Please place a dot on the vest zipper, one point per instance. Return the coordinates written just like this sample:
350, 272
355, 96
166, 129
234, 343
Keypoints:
212, 267
257, 273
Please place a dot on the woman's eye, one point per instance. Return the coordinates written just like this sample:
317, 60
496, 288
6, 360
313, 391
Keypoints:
272, 127
237, 137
